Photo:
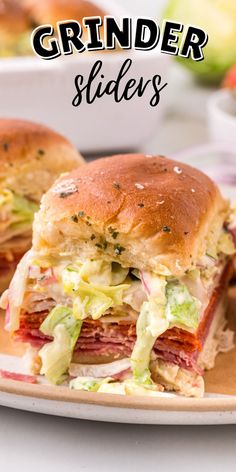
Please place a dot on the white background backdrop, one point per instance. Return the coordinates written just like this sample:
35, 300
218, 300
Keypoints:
143, 7
37, 443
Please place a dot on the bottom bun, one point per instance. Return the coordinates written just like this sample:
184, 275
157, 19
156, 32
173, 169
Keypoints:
175, 378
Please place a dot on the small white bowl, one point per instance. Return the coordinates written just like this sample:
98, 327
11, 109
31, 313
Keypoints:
222, 116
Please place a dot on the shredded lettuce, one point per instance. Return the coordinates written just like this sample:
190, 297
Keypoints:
94, 271
107, 385
56, 356
226, 244
89, 286
90, 303
135, 388
117, 388
99, 272
181, 307
19, 210
118, 273
150, 325
89, 384
62, 315
90, 299
169, 303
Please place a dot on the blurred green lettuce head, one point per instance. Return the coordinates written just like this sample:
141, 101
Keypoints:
218, 19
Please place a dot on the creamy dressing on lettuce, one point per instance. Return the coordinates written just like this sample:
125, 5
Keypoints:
151, 324
90, 298
107, 385
57, 355
170, 304
16, 212
181, 307
89, 384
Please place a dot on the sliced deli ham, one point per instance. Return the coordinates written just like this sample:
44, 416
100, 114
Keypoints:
5, 374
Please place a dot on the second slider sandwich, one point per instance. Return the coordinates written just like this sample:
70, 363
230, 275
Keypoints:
124, 287
32, 156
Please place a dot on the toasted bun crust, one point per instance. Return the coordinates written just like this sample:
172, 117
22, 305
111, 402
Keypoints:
150, 213
32, 156
13, 18
51, 11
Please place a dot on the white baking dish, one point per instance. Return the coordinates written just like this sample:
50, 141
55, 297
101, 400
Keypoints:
42, 91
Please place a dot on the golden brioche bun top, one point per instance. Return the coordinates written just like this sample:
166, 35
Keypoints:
147, 212
51, 11
32, 156
14, 19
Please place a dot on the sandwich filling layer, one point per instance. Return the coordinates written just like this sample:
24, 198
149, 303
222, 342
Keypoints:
16, 217
124, 284
92, 311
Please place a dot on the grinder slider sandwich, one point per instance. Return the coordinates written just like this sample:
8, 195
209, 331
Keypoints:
18, 18
124, 287
15, 28
32, 156
51, 11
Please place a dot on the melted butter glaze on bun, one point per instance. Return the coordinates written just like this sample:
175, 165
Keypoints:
147, 212
32, 156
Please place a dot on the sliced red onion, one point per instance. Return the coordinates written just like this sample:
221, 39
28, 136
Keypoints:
144, 281
8, 314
